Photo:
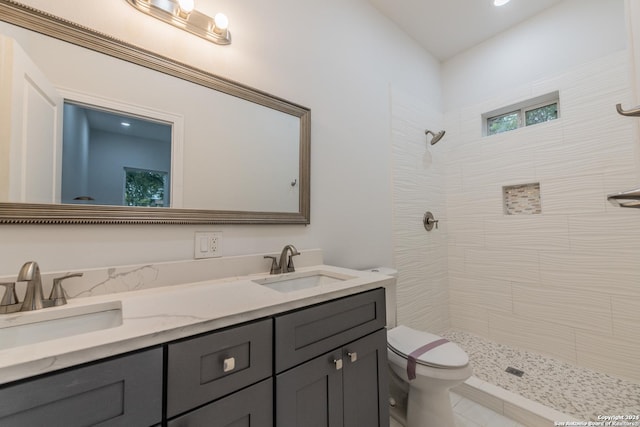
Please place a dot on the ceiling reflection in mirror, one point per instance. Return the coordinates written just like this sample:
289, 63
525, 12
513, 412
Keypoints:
111, 158
236, 155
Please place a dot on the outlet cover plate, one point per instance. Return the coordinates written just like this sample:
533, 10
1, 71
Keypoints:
207, 244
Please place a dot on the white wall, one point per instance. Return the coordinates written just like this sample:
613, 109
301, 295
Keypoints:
564, 282
571, 33
75, 177
337, 57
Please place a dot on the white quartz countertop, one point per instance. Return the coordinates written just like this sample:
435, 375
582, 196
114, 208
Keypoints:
155, 316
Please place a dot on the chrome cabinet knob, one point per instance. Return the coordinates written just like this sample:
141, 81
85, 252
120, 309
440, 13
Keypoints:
338, 363
229, 364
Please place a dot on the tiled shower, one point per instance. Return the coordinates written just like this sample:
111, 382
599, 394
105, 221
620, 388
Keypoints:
564, 282
555, 273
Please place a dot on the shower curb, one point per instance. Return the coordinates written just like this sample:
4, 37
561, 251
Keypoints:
511, 405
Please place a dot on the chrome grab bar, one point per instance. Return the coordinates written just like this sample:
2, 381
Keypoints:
635, 112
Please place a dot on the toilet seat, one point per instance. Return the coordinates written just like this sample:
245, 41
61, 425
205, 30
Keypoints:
403, 341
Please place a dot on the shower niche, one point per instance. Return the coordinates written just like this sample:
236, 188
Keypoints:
522, 199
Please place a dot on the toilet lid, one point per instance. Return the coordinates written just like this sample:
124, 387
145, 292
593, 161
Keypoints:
403, 341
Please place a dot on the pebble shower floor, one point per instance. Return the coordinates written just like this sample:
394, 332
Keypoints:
576, 391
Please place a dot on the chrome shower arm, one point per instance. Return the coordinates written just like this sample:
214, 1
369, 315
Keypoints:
635, 112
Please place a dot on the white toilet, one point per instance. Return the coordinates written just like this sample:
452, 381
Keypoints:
434, 364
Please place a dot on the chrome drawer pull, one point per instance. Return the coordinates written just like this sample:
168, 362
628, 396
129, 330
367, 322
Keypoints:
353, 356
229, 364
338, 363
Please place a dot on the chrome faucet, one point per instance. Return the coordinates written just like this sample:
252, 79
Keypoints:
288, 267
284, 266
34, 298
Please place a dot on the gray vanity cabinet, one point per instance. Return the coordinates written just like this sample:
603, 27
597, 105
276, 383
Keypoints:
205, 368
124, 391
311, 394
323, 365
251, 407
339, 374
365, 381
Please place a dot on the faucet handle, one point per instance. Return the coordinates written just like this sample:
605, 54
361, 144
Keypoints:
10, 302
10, 297
58, 296
274, 264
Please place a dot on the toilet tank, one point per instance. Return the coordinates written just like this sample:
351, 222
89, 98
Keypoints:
390, 291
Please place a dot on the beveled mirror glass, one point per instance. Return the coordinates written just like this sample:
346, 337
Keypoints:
254, 169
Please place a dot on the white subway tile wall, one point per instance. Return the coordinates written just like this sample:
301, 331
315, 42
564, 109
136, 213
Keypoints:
419, 186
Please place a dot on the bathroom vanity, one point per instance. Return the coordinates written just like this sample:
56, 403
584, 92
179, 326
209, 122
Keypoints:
231, 352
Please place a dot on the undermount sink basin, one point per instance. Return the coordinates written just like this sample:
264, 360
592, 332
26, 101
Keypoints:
30, 327
290, 282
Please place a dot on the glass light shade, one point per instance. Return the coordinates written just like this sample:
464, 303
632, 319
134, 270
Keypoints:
187, 6
500, 2
221, 21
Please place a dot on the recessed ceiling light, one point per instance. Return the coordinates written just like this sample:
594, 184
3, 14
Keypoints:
500, 2
125, 124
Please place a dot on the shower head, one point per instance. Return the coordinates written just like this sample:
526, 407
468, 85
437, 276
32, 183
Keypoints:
435, 136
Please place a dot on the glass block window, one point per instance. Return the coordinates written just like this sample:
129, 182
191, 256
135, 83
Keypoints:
537, 110
522, 199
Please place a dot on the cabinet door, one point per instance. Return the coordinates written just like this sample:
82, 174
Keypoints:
251, 407
365, 379
310, 395
126, 391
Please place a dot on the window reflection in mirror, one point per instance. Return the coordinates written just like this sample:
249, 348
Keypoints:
114, 158
146, 188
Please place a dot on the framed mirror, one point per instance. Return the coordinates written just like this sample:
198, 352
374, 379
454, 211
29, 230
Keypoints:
238, 155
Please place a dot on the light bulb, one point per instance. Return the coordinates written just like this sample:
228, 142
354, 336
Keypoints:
221, 21
500, 2
186, 6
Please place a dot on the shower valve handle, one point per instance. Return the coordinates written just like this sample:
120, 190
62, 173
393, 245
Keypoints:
429, 221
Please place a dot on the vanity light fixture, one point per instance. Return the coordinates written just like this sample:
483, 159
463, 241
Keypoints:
500, 2
182, 14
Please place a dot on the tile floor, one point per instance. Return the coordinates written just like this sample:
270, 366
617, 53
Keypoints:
575, 391
470, 414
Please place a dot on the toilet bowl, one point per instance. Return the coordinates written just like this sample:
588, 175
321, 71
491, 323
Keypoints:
423, 368
429, 375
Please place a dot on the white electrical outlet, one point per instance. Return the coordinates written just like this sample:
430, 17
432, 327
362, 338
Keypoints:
207, 244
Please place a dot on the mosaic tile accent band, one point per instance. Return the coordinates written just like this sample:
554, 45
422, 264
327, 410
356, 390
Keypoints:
522, 199
575, 391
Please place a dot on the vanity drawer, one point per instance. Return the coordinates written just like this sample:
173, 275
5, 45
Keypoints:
125, 391
309, 332
251, 407
205, 368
